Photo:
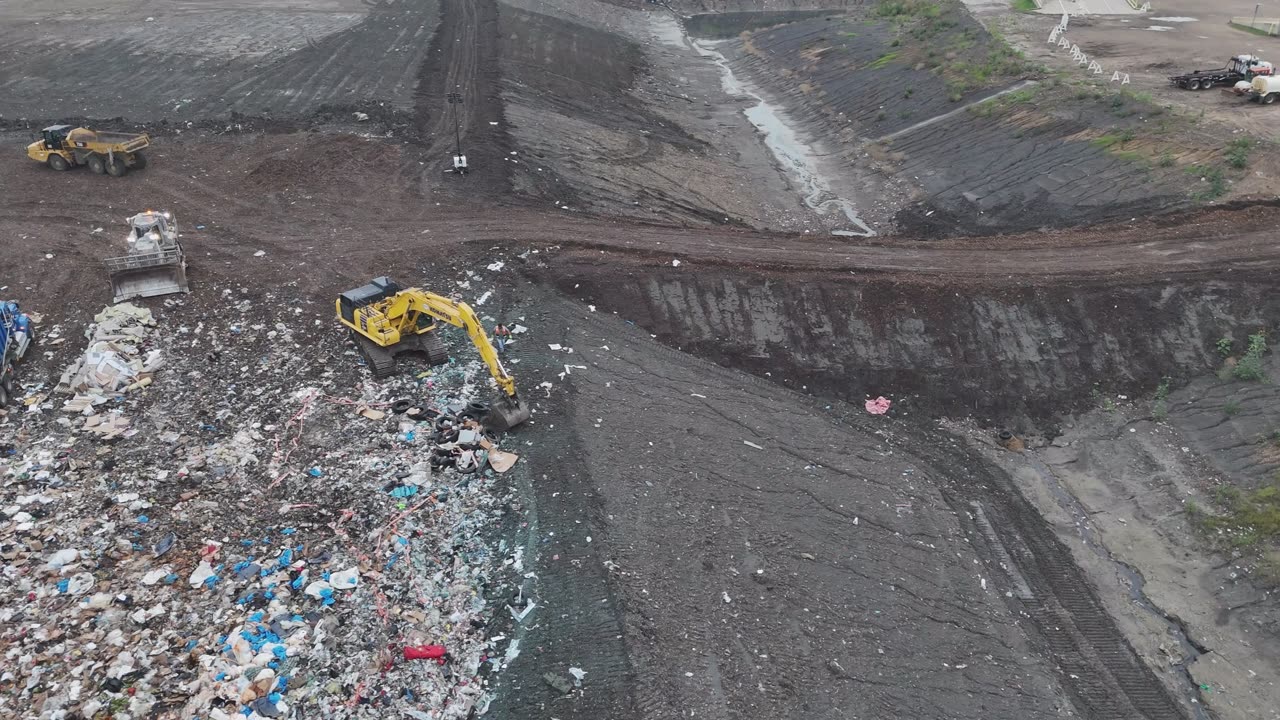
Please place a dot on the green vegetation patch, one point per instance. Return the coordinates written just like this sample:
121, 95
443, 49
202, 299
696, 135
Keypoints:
1248, 518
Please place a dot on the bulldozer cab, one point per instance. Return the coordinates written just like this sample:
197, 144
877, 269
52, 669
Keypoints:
55, 135
155, 263
152, 232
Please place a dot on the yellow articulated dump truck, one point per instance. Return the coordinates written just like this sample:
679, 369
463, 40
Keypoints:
63, 147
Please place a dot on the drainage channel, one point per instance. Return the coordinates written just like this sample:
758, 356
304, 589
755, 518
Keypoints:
796, 157
1190, 650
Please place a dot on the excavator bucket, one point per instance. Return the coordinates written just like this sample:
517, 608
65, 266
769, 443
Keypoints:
506, 414
148, 275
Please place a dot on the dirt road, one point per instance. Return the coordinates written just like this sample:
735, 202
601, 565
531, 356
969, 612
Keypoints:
248, 194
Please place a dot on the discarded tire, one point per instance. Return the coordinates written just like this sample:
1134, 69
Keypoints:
400, 406
445, 436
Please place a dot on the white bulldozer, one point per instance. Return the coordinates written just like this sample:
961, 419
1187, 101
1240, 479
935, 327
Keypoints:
155, 264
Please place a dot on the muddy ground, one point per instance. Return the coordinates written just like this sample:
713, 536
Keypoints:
737, 539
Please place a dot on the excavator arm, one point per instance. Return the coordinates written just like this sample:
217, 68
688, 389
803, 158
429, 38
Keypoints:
457, 314
384, 316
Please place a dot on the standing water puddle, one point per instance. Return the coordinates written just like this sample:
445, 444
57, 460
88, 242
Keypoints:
795, 156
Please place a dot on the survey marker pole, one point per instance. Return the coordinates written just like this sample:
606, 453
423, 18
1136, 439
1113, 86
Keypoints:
455, 99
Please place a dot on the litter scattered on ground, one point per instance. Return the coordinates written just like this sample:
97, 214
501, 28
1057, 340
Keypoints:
559, 682
114, 360
233, 543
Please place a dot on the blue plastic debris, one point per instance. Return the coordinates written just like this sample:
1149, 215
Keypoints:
63, 584
143, 519
404, 491
286, 557
288, 531
165, 544
315, 472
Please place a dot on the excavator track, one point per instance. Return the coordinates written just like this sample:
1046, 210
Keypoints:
433, 345
381, 362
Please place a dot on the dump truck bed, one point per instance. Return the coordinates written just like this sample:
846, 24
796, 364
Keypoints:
117, 141
128, 142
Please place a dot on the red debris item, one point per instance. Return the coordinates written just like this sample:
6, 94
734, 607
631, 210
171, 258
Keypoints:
879, 406
426, 652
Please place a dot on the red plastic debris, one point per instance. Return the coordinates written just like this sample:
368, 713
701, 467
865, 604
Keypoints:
426, 652
879, 406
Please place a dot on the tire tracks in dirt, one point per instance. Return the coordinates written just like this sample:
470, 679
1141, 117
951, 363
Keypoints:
463, 58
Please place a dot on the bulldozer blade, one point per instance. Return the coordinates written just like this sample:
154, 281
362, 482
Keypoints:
506, 415
151, 281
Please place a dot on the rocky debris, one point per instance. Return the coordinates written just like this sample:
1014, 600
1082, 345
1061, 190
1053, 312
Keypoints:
253, 542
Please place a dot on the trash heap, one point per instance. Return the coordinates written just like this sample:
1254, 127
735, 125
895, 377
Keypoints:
277, 537
112, 365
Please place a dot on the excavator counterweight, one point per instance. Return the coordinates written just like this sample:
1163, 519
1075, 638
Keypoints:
387, 320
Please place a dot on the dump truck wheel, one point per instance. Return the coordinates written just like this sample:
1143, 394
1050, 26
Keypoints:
1268, 98
139, 160
57, 162
1206, 84
1193, 85
97, 164
116, 167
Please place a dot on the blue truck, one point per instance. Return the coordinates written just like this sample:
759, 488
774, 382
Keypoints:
16, 335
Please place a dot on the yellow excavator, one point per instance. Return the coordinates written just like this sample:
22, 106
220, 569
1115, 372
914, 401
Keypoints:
386, 320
